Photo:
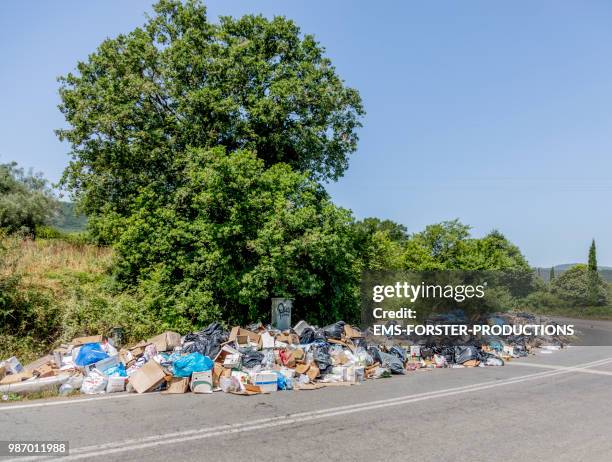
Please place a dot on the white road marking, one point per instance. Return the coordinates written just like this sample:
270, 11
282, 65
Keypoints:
116, 447
11, 407
561, 368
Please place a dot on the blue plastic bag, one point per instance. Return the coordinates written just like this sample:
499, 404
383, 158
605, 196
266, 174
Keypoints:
281, 381
118, 370
193, 362
90, 353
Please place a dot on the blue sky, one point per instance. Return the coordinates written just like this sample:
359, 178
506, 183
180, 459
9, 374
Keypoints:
496, 113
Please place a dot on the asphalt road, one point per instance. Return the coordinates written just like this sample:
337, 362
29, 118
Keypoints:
549, 407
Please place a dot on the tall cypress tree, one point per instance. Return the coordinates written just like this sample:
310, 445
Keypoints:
593, 279
593, 257
551, 275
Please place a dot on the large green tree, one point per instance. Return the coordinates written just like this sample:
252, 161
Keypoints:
235, 234
142, 99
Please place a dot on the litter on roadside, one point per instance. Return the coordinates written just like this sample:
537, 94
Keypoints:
254, 360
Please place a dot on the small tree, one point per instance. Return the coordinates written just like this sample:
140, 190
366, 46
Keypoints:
25, 200
592, 275
593, 257
552, 273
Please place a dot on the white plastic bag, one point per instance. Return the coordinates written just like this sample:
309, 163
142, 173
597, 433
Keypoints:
94, 383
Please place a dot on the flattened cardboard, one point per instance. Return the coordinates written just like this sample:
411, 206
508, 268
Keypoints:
147, 377
46, 370
239, 331
350, 332
166, 341
83, 340
16, 378
177, 385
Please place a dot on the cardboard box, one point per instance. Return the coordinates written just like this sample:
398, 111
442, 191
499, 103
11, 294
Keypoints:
313, 372
115, 384
265, 380
83, 340
2, 370
147, 377
16, 378
177, 385
350, 332
202, 382
302, 368
103, 364
239, 331
46, 370
289, 339
228, 356
138, 350
166, 341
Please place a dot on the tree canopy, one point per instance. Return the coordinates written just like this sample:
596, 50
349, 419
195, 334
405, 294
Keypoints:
234, 235
142, 99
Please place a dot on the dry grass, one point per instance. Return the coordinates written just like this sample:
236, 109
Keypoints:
43, 263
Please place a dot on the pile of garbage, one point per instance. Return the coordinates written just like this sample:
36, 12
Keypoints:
253, 360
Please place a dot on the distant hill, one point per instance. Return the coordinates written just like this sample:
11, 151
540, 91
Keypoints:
68, 220
544, 273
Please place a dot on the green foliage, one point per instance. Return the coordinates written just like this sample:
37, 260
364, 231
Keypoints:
235, 234
448, 246
577, 286
552, 273
592, 257
142, 99
381, 243
25, 200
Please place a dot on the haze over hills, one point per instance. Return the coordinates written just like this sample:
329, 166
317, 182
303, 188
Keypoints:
68, 220
544, 273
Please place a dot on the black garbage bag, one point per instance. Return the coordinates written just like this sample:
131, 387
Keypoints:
251, 358
308, 336
426, 352
207, 342
398, 352
322, 357
374, 353
392, 362
466, 353
360, 342
320, 335
334, 330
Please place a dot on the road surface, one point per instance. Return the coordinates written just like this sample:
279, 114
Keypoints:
549, 407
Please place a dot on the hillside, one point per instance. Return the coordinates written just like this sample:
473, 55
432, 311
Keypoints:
544, 273
68, 219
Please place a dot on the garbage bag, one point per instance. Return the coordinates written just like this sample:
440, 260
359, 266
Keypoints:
320, 336
116, 371
322, 357
206, 342
308, 336
466, 353
90, 353
94, 383
426, 353
393, 363
334, 330
360, 342
491, 360
252, 358
193, 362
375, 353
398, 352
